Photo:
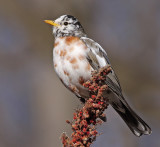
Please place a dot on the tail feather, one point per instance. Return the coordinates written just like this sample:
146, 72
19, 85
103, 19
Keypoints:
134, 122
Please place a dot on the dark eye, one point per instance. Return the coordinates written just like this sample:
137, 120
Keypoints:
65, 23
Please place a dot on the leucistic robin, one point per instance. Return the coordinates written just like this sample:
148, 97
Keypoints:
75, 56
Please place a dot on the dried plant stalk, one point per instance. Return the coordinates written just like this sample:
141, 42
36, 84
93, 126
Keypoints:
91, 114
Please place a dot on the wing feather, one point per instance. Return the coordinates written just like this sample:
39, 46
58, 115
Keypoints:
97, 57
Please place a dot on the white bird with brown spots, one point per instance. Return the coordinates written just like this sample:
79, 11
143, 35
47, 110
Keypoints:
75, 56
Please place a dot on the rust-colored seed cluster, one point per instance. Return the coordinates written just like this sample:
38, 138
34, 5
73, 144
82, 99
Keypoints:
85, 119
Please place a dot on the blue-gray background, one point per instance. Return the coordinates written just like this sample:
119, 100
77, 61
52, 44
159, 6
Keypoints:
34, 104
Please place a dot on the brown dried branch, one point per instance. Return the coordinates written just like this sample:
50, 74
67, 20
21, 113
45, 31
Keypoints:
91, 114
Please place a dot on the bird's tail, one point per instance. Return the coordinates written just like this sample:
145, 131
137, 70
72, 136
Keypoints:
133, 121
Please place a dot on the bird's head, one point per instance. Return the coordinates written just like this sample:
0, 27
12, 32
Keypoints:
66, 25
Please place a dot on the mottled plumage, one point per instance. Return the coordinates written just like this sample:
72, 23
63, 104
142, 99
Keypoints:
75, 56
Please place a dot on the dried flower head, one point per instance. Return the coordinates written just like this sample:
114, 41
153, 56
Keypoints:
91, 114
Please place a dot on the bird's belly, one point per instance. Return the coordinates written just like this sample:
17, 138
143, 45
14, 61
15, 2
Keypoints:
72, 67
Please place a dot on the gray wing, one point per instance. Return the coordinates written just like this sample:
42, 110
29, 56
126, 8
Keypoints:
97, 57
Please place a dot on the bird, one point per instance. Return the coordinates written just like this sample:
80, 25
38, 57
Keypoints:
75, 56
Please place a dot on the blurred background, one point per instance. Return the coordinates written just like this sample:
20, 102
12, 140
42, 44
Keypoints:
34, 105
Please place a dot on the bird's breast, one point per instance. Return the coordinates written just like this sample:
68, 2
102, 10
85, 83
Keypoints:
70, 63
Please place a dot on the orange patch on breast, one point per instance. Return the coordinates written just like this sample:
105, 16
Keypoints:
66, 73
56, 43
71, 39
81, 80
73, 60
81, 57
88, 67
55, 65
63, 52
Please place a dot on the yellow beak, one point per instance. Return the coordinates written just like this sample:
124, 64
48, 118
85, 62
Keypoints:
51, 22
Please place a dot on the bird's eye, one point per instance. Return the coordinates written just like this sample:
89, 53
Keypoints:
65, 23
